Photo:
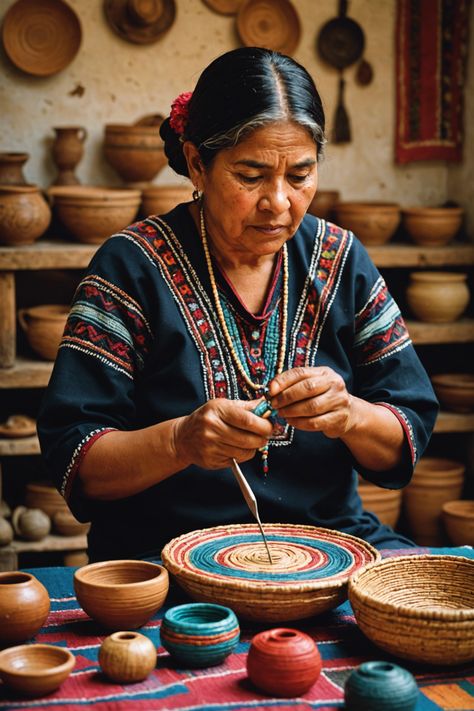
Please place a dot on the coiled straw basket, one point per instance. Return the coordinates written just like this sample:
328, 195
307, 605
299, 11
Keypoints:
418, 607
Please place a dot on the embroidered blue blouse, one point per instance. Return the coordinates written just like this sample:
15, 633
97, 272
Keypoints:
143, 345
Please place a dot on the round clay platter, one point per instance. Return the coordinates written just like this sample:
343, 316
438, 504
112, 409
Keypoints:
273, 24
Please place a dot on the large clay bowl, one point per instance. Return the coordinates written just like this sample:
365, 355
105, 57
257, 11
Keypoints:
455, 391
373, 223
44, 496
121, 594
432, 226
160, 199
458, 519
228, 565
44, 327
136, 152
35, 669
437, 297
419, 608
24, 606
24, 214
92, 214
322, 205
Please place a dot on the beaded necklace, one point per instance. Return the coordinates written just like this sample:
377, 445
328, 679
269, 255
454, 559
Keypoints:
263, 409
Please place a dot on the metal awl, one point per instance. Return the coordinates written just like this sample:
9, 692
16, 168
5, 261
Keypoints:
249, 497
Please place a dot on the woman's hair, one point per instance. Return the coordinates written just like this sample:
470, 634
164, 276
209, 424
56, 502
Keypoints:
239, 92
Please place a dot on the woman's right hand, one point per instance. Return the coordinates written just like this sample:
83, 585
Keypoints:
219, 431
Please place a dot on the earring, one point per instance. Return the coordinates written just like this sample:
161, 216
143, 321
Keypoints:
196, 195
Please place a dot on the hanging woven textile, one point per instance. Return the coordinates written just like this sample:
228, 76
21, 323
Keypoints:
432, 42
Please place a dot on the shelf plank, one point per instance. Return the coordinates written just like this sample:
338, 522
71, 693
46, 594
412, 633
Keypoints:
19, 446
454, 422
412, 255
49, 543
26, 373
422, 333
47, 254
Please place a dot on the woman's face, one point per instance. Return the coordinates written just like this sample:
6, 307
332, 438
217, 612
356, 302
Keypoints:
257, 193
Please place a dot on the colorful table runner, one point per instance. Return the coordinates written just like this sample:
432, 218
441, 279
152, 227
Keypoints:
225, 687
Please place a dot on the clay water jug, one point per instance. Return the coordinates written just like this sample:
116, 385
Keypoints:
11, 168
68, 149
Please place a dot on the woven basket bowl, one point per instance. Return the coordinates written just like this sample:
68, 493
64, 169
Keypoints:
418, 607
228, 565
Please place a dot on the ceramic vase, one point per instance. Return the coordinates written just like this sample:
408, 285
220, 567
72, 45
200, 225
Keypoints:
200, 634
24, 606
11, 168
283, 662
24, 214
127, 657
380, 686
67, 150
437, 297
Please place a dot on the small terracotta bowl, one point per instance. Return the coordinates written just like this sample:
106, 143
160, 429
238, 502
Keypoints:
121, 594
455, 391
458, 519
35, 669
373, 223
200, 634
432, 226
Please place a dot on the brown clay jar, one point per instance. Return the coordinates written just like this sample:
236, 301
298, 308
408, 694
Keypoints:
11, 168
24, 606
24, 214
127, 657
68, 150
437, 297
283, 662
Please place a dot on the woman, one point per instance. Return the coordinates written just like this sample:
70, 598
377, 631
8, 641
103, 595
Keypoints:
184, 321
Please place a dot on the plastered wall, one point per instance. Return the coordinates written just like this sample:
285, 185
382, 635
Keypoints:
123, 82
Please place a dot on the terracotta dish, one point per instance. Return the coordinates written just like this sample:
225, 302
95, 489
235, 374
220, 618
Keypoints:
18, 426
35, 669
432, 226
458, 519
418, 607
273, 24
224, 7
41, 37
372, 222
455, 390
140, 22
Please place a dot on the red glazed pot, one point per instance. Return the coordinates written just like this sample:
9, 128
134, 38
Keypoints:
24, 606
283, 662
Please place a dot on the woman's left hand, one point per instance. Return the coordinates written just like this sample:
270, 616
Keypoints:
313, 399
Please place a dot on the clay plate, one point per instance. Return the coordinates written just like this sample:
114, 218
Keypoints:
273, 24
18, 426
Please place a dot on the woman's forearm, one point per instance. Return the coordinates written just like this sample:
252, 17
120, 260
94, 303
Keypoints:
376, 437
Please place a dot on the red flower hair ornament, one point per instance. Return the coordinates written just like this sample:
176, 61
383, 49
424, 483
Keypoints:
179, 112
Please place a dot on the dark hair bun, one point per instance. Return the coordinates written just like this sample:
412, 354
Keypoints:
173, 149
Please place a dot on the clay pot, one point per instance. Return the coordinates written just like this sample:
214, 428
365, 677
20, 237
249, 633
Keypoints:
384, 503
45, 497
322, 205
458, 519
121, 594
92, 214
24, 214
75, 559
435, 481
44, 327
372, 222
380, 686
127, 657
136, 152
437, 297
35, 669
11, 168
6, 532
432, 226
160, 199
67, 150
200, 634
24, 606
67, 525
455, 391
31, 524
283, 662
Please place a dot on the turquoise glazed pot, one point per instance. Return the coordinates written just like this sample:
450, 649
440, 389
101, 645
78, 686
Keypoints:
200, 634
380, 686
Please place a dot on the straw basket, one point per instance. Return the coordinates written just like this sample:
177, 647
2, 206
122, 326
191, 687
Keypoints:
228, 565
418, 607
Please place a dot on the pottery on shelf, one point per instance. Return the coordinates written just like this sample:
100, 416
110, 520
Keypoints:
35, 669
127, 657
11, 168
24, 606
432, 226
380, 686
31, 524
18, 426
92, 214
6, 532
438, 297
435, 481
200, 634
458, 519
135, 151
44, 327
67, 151
283, 662
44, 496
24, 214
66, 524
455, 391
323, 203
160, 199
121, 594
373, 223
384, 503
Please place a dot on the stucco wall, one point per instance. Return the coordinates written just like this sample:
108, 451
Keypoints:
123, 82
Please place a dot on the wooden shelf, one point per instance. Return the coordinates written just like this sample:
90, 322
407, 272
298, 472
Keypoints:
455, 422
26, 374
49, 543
47, 254
412, 255
461, 331
19, 446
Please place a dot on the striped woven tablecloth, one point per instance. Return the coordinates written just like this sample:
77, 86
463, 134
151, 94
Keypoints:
225, 687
